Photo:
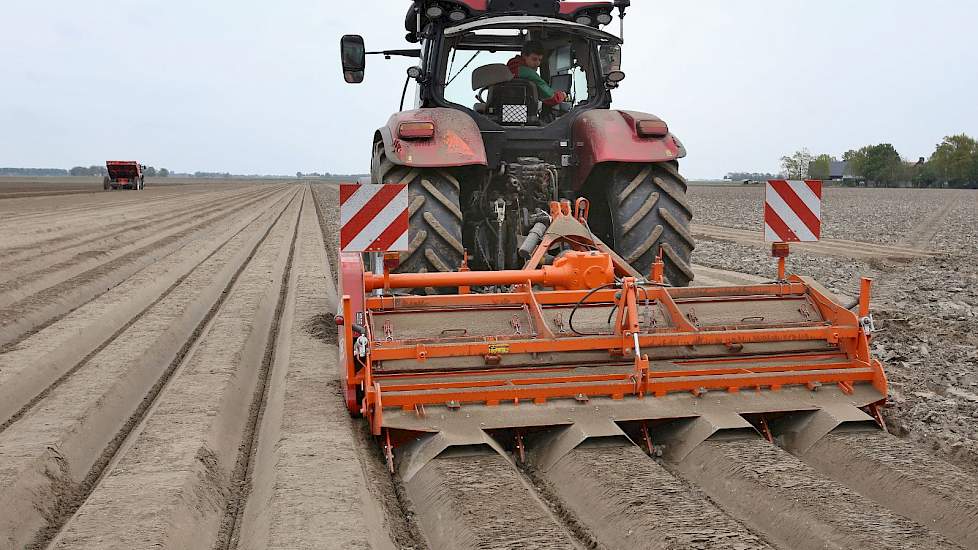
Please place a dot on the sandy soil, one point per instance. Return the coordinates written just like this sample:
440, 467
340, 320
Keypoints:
794, 505
615, 490
183, 454
168, 379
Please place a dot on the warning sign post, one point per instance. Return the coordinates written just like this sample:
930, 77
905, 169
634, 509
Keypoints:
792, 213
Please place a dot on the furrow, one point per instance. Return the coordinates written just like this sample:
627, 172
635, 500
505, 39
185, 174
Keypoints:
903, 478
52, 457
181, 453
35, 365
241, 475
477, 499
792, 504
306, 485
35, 254
42, 308
51, 221
382, 495
49, 270
627, 500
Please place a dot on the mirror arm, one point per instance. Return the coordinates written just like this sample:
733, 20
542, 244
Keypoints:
403, 53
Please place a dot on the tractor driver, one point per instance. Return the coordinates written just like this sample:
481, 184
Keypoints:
525, 66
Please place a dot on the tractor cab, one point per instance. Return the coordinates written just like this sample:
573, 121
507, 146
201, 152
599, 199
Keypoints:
512, 111
480, 60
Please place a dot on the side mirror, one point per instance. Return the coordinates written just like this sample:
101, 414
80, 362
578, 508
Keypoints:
353, 56
613, 78
610, 56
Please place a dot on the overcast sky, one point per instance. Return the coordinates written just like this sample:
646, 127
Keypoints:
255, 87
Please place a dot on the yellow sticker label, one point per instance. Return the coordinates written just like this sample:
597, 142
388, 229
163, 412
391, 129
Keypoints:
498, 349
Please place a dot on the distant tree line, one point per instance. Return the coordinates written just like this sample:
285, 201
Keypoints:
33, 171
156, 172
90, 171
327, 175
954, 163
94, 170
212, 174
757, 176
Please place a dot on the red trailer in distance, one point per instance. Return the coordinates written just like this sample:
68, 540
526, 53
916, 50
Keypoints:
123, 174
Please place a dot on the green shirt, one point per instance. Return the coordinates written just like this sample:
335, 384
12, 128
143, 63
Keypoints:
527, 73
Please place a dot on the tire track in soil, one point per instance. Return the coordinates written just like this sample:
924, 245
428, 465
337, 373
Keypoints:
39, 310
37, 497
709, 276
921, 235
825, 247
21, 393
792, 504
178, 448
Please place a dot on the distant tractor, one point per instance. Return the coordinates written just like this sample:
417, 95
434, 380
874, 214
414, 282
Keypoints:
124, 174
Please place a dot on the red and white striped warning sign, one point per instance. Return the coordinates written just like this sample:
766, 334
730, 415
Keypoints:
793, 211
373, 218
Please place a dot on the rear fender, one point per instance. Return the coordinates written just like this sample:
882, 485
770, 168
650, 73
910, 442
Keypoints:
611, 136
457, 140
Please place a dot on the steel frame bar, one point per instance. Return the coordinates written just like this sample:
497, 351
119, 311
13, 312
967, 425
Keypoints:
390, 351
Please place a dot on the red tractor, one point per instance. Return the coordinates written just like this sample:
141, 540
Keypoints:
123, 174
492, 139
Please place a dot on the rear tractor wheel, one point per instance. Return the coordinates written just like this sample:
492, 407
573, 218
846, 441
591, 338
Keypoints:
106, 185
649, 213
435, 217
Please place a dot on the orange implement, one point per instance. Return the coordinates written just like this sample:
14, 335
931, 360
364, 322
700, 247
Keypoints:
588, 347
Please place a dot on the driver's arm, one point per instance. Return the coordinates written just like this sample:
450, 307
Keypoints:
526, 73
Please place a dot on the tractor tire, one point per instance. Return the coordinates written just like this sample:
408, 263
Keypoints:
435, 217
650, 213
106, 185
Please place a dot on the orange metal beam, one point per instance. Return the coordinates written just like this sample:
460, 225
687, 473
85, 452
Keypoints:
579, 378
658, 388
570, 297
384, 351
573, 270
